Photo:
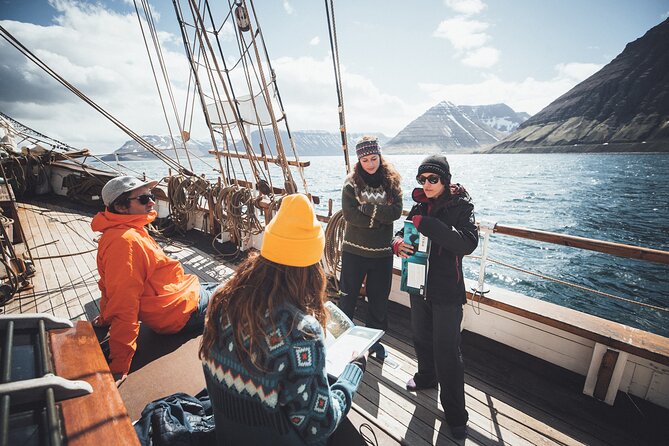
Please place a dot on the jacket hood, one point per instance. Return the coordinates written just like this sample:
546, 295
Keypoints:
107, 220
458, 193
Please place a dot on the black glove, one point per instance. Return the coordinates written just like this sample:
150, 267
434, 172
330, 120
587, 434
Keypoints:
360, 361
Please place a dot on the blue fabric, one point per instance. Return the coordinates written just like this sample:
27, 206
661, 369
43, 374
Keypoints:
196, 320
178, 419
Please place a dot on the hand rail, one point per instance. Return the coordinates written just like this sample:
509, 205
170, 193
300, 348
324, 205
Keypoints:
616, 249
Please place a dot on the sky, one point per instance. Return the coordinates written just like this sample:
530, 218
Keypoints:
398, 59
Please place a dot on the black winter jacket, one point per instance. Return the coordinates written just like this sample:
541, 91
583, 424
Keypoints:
448, 221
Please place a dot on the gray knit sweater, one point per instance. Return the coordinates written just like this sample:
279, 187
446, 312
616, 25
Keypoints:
369, 213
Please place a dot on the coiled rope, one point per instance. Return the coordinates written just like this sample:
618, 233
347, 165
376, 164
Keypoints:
184, 195
235, 211
334, 237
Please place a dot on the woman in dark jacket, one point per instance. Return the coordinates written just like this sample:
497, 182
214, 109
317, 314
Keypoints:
445, 214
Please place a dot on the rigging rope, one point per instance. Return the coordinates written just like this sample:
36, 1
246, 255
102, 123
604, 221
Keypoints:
154, 37
332, 30
142, 142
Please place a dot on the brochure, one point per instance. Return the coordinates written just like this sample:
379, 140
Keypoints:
343, 338
414, 268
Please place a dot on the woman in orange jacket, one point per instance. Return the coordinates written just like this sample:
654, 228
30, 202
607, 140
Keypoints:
138, 281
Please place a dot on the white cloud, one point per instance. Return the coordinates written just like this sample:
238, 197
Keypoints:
308, 90
577, 71
467, 7
529, 95
484, 57
111, 68
288, 7
315, 41
463, 33
228, 32
468, 37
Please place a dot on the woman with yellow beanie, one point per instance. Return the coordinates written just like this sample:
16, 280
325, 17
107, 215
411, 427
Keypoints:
263, 349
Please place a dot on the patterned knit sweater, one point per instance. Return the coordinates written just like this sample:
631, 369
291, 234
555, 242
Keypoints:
290, 402
369, 213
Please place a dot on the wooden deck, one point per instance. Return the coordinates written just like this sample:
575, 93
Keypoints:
512, 398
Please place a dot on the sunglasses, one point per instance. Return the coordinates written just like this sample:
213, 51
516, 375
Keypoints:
432, 179
144, 198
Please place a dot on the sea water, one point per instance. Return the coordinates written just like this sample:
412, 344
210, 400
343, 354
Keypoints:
620, 198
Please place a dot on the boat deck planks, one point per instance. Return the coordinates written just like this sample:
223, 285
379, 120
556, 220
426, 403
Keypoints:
512, 398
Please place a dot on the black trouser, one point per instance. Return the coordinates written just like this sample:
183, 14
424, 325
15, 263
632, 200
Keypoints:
436, 339
379, 272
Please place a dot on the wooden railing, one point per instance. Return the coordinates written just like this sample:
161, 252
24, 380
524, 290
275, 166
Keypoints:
616, 249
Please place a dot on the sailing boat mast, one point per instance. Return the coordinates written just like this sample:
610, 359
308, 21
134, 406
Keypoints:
334, 49
220, 72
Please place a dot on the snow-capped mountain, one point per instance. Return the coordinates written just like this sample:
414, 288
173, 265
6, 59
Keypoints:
131, 150
307, 143
501, 117
447, 127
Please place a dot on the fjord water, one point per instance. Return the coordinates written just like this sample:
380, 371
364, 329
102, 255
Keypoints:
621, 198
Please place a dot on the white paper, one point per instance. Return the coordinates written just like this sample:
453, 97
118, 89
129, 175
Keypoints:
422, 243
415, 275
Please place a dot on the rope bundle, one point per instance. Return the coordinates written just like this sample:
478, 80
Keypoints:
235, 211
185, 194
334, 236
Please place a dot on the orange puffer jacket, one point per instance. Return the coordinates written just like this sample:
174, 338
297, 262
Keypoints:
138, 283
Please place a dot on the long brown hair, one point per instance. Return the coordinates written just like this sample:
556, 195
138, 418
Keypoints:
390, 177
249, 298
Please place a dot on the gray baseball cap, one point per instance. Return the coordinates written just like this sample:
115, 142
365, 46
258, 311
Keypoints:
116, 186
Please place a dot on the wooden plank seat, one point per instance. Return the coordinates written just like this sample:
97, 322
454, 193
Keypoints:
97, 418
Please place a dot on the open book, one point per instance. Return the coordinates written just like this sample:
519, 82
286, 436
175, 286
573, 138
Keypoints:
415, 267
343, 338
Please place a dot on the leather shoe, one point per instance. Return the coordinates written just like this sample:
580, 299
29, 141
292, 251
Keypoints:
413, 387
378, 351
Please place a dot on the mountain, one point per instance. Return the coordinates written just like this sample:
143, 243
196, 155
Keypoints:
622, 107
307, 143
131, 150
501, 117
447, 127
317, 142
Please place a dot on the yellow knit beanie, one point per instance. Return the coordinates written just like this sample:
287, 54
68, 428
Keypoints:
294, 237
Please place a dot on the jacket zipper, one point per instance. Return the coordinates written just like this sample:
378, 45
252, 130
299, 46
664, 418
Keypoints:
457, 268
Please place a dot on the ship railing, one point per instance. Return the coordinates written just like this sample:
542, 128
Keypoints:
613, 342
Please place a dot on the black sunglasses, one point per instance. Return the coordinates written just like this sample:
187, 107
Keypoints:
144, 198
433, 179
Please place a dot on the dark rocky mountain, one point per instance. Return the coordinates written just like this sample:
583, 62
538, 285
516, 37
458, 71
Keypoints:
622, 107
447, 127
307, 143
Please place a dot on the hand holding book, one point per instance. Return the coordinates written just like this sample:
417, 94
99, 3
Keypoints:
344, 340
402, 249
